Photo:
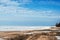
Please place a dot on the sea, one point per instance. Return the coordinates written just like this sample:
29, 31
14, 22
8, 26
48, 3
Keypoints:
22, 28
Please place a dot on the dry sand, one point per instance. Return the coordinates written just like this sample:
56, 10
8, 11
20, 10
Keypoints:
27, 35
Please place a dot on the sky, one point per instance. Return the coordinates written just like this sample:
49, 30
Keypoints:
29, 12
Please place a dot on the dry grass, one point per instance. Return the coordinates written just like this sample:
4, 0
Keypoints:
18, 35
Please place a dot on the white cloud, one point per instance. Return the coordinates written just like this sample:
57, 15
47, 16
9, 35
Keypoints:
19, 13
23, 1
24, 11
13, 12
8, 3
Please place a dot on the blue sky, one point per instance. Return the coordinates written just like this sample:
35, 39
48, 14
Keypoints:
29, 12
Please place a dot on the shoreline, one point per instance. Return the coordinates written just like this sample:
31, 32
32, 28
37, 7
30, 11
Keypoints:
22, 28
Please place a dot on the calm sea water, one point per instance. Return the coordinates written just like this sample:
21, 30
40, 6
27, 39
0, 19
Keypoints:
21, 28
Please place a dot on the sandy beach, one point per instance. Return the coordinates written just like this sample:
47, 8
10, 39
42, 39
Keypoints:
26, 33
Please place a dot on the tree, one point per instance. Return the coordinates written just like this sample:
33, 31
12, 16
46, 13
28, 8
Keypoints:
57, 25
